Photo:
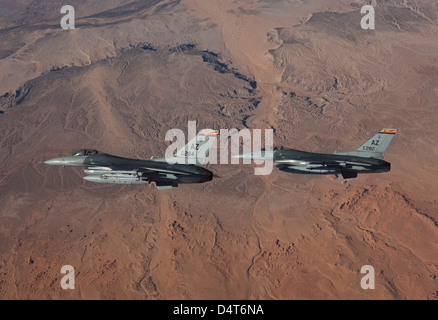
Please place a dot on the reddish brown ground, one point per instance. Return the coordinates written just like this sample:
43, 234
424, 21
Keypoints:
323, 84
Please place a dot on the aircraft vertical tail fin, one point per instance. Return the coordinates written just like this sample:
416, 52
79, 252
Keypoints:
195, 152
374, 147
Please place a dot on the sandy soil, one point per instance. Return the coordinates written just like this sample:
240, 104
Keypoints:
127, 74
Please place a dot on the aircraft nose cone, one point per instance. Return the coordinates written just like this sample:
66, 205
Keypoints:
49, 162
243, 156
53, 162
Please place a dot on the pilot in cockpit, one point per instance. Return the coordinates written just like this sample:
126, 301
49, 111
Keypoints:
276, 148
84, 152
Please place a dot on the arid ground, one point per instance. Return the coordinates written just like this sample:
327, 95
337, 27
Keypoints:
132, 70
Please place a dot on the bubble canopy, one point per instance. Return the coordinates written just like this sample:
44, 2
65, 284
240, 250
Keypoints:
276, 148
84, 152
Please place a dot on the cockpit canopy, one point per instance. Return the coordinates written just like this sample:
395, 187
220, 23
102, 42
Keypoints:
276, 148
84, 152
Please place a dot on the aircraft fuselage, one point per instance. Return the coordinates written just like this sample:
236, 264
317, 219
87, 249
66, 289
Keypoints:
318, 163
106, 168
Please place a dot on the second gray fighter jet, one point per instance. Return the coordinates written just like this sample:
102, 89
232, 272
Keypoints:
368, 158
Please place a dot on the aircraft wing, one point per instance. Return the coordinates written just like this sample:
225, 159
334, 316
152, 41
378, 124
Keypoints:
156, 174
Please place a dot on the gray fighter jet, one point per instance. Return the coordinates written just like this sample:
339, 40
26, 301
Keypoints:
106, 168
366, 159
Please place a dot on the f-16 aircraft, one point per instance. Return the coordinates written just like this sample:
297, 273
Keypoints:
366, 159
106, 168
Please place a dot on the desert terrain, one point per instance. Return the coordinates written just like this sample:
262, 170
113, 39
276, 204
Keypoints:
132, 70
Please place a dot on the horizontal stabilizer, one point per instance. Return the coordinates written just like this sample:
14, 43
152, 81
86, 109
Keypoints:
165, 186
